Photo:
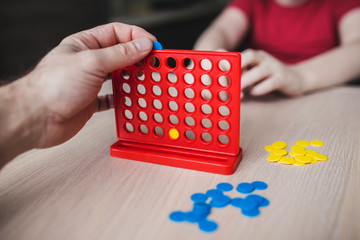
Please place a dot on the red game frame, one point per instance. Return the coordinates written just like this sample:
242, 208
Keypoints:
168, 77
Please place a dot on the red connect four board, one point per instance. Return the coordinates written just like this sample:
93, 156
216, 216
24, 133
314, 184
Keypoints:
180, 108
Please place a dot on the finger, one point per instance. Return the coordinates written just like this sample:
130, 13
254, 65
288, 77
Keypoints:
249, 58
104, 103
254, 75
265, 87
118, 56
105, 36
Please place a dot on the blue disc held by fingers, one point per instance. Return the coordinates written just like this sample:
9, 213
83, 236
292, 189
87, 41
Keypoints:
157, 45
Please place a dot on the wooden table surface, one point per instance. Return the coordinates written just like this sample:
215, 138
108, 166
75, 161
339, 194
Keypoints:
77, 191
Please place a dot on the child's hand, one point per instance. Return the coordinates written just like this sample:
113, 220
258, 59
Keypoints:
265, 74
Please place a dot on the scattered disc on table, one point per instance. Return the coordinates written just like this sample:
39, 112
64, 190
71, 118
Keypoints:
208, 226
302, 143
224, 187
245, 188
177, 216
316, 143
279, 145
199, 197
251, 213
259, 185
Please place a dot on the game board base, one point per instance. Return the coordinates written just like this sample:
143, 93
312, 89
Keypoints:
195, 160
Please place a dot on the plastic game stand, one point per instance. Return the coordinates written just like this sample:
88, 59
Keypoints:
180, 108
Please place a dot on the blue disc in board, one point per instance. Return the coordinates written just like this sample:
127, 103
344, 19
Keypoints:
207, 226
177, 216
245, 188
199, 197
261, 201
157, 45
251, 213
259, 185
224, 187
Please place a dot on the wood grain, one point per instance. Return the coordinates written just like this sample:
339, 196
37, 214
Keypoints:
77, 191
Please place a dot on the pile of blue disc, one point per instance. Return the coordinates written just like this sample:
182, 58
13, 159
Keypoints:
203, 202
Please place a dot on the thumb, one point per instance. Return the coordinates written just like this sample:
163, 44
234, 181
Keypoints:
124, 54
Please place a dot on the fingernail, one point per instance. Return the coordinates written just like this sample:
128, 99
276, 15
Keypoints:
143, 44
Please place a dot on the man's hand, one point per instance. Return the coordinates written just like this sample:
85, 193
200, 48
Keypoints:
54, 101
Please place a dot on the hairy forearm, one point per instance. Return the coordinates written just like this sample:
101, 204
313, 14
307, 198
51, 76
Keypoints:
21, 119
337, 66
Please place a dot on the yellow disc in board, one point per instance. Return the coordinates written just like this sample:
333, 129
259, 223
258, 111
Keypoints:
281, 152
173, 133
320, 157
303, 159
297, 147
286, 160
302, 143
316, 143
269, 148
297, 163
273, 158
279, 145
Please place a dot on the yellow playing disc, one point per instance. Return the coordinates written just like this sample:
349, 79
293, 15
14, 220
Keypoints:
281, 152
310, 153
297, 163
321, 157
173, 133
302, 143
279, 145
273, 158
303, 159
286, 160
269, 148
316, 143
297, 147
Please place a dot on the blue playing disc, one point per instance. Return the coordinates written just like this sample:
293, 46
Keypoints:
245, 188
199, 197
177, 216
207, 226
237, 202
193, 217
261, 201
224, 187
249, 204
202, 209
220, 201
213, 193
259, 185
251, 213
157, 45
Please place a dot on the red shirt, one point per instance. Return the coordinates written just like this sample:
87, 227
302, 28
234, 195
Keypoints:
293, 34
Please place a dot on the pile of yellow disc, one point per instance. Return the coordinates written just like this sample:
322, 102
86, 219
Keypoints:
298, 155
